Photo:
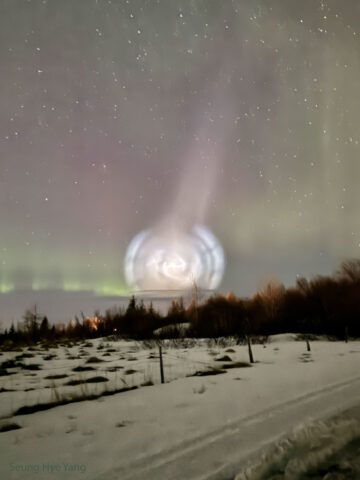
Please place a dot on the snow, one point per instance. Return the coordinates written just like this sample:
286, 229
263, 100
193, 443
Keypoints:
282, 337
308, 448
191, 427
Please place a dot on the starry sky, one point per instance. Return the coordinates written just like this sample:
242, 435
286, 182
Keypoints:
241, 115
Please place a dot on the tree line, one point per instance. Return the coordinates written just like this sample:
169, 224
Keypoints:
324, 305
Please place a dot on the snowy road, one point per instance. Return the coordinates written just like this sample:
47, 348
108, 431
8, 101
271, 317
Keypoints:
220, 455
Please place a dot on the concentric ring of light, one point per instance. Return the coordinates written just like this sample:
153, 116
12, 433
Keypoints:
174, 260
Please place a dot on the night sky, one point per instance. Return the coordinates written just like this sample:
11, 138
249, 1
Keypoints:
242, 116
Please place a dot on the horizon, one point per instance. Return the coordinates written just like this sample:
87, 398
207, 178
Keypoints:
49, 301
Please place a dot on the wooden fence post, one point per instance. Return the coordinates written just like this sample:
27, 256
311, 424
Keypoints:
161, 365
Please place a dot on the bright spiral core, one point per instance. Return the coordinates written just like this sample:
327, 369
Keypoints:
174, 260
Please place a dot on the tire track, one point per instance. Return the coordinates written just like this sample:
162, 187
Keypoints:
218, 454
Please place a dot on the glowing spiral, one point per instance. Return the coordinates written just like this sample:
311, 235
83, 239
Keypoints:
174, 260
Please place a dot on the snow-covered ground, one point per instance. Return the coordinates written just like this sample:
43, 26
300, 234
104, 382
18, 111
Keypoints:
191, 427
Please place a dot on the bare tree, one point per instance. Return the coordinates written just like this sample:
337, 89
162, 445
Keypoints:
32, 321
273, 295
350, 269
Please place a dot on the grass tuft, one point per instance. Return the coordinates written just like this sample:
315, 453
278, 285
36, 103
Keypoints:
227, 366
41, 407
208, 373
83, 368
7, 427
57, 376
94, 360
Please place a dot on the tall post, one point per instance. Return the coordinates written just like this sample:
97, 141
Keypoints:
250, 349
248, 339
161, 365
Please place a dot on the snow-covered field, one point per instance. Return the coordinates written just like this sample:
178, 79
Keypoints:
190, 427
